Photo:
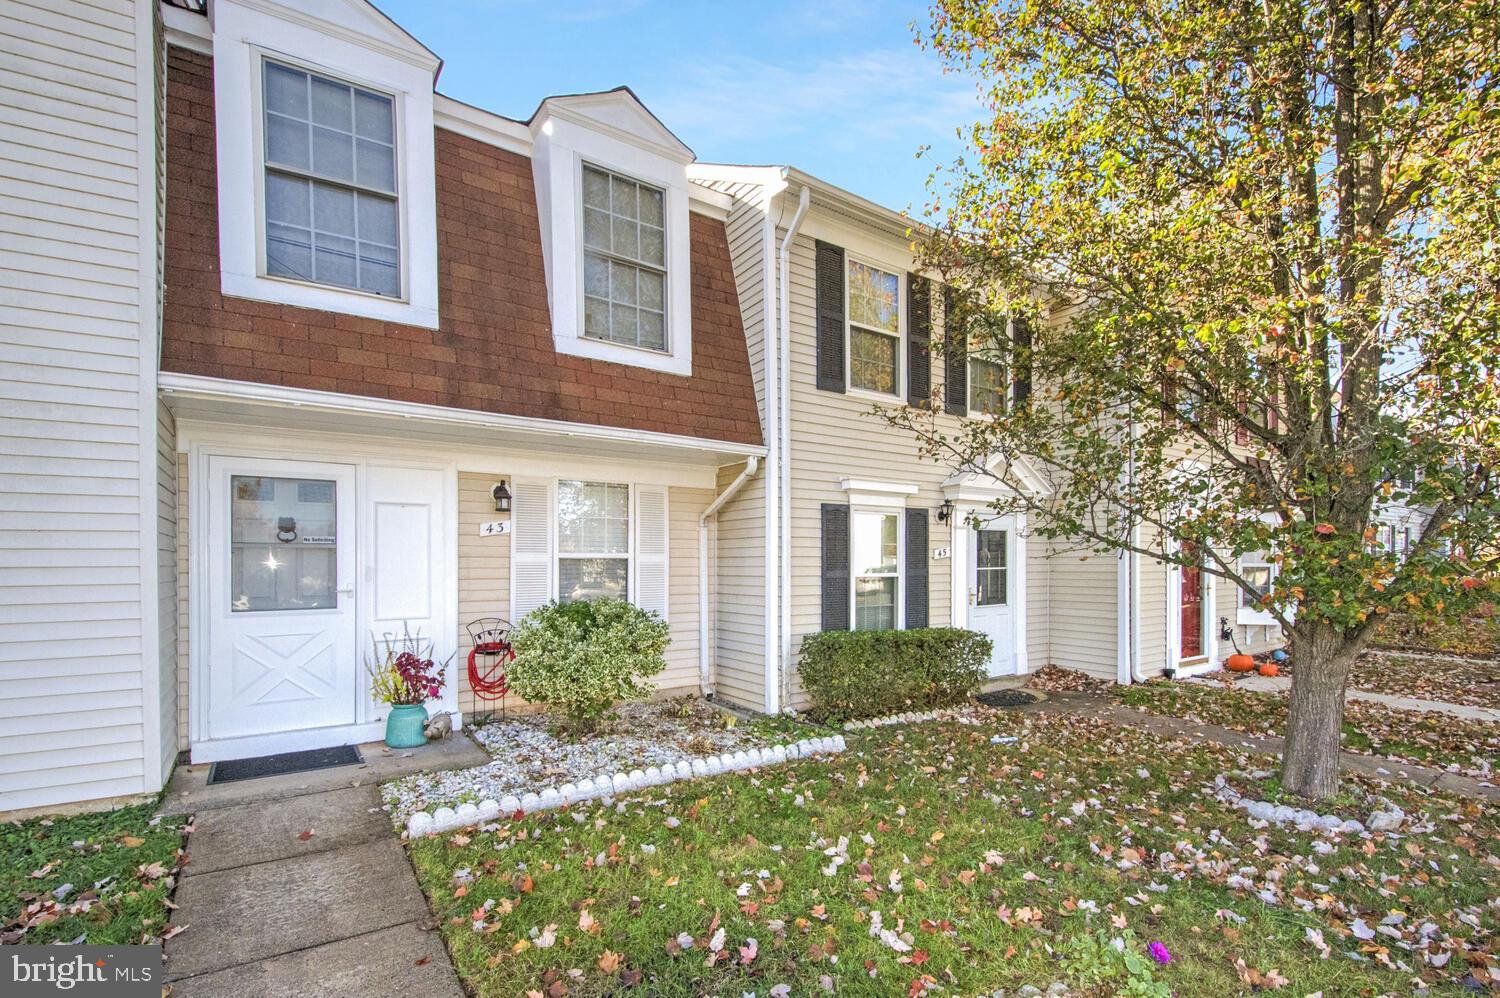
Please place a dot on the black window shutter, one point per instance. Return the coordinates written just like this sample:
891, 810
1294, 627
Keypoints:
917, 559
918, 340
1020, 333
830, 294
955, 358
835, 567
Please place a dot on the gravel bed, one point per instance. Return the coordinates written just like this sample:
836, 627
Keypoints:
527, 755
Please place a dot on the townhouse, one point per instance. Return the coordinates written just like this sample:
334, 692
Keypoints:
299, 353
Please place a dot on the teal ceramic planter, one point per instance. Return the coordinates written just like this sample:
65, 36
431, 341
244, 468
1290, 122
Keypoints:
404, 724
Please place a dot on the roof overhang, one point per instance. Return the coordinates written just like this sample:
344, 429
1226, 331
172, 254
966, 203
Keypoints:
1005, 479
271, 406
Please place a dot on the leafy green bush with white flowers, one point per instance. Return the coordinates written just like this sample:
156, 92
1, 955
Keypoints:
581, 658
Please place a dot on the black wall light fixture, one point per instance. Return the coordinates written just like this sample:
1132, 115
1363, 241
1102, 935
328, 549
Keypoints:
945, 511
501, 495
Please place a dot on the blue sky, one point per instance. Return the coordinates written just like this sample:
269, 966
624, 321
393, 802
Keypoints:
835, 88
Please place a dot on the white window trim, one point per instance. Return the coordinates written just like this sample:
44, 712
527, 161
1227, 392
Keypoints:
899, 336
630, 527
900, 575
245, 36
645, 353
1209, 661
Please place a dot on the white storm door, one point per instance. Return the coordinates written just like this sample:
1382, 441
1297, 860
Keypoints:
282, 650
991, 592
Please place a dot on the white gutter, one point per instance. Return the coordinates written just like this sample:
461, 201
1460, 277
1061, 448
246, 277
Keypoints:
783, 447
705, 677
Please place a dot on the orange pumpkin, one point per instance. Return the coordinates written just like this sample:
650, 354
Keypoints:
1240, 663
1268, 668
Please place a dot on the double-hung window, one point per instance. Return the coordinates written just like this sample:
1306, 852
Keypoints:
1256, 568
624, 260
593, 540
988, 385
874, 329
875, 546
331, 211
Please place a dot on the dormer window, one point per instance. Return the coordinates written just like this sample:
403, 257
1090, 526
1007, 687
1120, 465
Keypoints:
624, 260
612, 198
331, 209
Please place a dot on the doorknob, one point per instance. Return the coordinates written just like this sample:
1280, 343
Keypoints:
346, 590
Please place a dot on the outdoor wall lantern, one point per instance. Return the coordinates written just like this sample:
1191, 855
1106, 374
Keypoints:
945, 510
501, 495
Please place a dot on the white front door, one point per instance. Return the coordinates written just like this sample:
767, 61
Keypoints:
991, 591
280, 594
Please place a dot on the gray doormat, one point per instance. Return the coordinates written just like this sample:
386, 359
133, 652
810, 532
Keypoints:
284, 762
1007, 698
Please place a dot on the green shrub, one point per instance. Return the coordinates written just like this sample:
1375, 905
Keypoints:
582, 658
860, 674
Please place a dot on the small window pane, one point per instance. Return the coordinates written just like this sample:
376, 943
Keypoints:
595, 276
286, 91
333, 153
288, 200
377, 269
625, 238
651, 207
282, 544
622, 283
289, 252
333, 210
873, 297
595, 188
875, 604
375, 165
592, 578
287, 142
332, 105
623, 324
596, 317
990, 568
373, 118
333, 260
622, 198
653, 328
873, 360
652, 287
653, 245
377, 221
595, 229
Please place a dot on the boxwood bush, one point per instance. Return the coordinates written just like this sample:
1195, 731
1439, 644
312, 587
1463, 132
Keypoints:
852, 675
582, 658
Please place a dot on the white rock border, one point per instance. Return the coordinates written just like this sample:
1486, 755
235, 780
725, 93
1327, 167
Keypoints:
1281, 814
910, 717
445, 819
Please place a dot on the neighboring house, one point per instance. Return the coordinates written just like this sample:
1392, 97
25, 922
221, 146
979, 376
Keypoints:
283, 328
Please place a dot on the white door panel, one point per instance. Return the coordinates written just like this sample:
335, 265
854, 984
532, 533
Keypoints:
992, 591
281, 609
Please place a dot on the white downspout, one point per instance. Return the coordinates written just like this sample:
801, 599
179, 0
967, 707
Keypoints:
705, 676
784, 450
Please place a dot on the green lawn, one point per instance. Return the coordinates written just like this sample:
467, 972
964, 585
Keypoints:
1423, 737
990, 865
121, 865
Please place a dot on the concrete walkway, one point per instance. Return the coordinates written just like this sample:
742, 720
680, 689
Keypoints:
1283, 684
273, 911
1374, 767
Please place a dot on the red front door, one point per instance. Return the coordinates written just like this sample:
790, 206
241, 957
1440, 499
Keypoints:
1192, 609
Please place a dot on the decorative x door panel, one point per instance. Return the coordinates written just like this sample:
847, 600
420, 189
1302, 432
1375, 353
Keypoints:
282, 653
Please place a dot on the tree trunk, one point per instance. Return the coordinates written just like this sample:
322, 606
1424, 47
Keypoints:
1321, 658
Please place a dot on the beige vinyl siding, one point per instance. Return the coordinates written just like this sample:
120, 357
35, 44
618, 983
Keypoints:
740, 605
745, 229
1084, 596
166, 580
833, 437
484, 585
73, 448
